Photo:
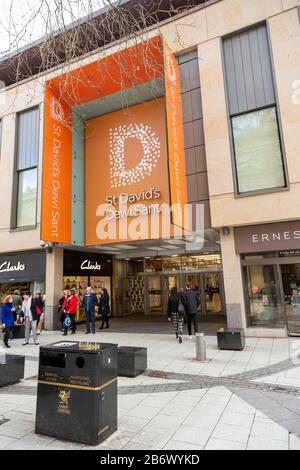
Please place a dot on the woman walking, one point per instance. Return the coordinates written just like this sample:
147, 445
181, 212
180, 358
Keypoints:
104, 308
7, 318
70, 308
176, 309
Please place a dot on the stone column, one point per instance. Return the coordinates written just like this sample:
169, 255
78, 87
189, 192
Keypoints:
54, 286
234, 295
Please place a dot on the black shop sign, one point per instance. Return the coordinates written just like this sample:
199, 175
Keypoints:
23, 267
86, 264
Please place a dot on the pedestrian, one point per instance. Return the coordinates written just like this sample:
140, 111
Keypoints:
40, 306
104, 308
184, 303
176, 309
31, 317
7, 318
70, 308
62, 315
192, 304
90, 301
17, 305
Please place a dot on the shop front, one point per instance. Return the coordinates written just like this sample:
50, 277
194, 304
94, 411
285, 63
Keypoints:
83, 269
270, 260
147, 292
22, 271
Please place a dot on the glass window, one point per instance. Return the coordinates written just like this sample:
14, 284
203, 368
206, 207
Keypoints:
264, 300
27, 196
258, 153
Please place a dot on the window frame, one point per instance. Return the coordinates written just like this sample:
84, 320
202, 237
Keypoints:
15, 194
276, 105
23, 227
263, 190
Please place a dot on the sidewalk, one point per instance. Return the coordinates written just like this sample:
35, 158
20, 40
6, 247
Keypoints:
228, 402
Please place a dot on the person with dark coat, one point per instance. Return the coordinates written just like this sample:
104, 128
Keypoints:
40, 303
70, 308
176, 309
7, 318
104, 308
62, 315
90, 301
193, 302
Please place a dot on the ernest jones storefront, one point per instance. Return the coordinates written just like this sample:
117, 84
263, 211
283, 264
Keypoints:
270, 260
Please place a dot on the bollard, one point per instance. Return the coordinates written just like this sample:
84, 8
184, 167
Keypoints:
200, 347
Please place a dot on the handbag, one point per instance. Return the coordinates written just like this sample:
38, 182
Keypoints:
67, 321
181, 308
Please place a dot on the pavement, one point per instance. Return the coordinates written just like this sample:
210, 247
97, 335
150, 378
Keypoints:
234, 400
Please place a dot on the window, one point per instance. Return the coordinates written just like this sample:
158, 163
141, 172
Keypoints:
27, 194
258, 151
265, 308
258, 157
25, 187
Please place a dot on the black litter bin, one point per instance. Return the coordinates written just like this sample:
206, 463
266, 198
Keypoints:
232, 339
77, 391
11, 369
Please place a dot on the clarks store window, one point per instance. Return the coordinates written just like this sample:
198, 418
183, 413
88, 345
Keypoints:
86, 269
272, 287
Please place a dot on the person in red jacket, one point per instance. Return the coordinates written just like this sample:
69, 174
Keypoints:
70, 308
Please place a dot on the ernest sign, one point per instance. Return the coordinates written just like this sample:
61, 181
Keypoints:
268, 237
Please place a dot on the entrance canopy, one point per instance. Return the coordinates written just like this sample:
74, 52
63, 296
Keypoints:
85, 161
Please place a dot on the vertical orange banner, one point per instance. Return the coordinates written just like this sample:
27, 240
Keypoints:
57, 170
177, 171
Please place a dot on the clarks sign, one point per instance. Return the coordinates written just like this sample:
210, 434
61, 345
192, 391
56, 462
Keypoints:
88, 265
268, 237
7, 267
23, 267
78, 263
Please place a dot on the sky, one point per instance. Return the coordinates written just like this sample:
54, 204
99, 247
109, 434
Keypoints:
25, 21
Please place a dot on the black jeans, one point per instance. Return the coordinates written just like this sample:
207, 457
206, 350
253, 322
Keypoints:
104, 320
6, 335
192, 318
90, 319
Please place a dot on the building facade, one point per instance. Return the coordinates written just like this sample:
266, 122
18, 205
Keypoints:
239, 69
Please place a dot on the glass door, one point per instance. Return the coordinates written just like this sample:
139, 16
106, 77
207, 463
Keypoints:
212, 287
290, 274
155, 295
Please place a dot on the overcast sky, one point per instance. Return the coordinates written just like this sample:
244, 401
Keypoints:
24, 21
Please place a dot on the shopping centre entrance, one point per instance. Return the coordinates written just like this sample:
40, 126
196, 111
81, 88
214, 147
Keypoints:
147, 292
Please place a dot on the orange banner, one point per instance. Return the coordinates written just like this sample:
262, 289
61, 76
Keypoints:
126, 173
57, 171
177, 170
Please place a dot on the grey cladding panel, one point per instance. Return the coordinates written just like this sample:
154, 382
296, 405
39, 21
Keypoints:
28, 139
248, 70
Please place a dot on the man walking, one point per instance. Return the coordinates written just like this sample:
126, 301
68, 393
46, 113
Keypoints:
193, 302
90, 301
